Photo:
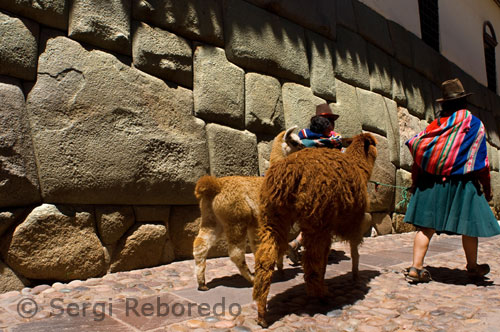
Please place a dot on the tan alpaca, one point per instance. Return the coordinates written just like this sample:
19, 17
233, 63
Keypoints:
230, 206
325, 191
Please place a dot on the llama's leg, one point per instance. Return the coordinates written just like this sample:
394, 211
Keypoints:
201, 245
265, 258
354, 244
236, 249
314, 260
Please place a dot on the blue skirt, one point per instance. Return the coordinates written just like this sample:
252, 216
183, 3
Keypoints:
454, 206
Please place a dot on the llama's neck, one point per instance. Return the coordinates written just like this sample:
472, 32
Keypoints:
360, 159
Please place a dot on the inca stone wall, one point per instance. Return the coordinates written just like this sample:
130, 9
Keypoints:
111, 110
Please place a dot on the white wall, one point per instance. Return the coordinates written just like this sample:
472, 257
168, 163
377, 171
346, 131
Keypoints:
403, 12
461, 34
461, 29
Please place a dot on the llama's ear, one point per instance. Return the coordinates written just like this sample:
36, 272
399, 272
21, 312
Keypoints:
369, 140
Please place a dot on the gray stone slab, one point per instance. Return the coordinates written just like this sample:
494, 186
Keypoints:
53, 13
491, 127
88, 104
426, 60
372, 110
218, 88
373, 27
398, 85
382, 197
199, 20
321, 67
409, 126
401, 42
18, 170
493, 157
349, 122
403, 179
19, 51
317, 16
227, 291
351, 64
263, 104
103, 24
299, 105
232, 152
392, 129
345, 14
414, 92
259, 40
380, 71
162, 54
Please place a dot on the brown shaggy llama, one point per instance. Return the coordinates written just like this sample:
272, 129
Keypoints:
230, 206
325, 191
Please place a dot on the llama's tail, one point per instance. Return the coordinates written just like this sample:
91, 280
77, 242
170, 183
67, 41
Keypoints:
265, 259
207, 187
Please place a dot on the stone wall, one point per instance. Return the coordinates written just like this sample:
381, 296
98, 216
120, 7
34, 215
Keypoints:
111, 110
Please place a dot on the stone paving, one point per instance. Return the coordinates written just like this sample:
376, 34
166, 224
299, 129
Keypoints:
165, 298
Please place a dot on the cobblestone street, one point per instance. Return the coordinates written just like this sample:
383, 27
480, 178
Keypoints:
166, 298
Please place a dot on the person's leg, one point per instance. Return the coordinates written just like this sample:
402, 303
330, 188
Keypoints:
420, 246
470, 244
293, 249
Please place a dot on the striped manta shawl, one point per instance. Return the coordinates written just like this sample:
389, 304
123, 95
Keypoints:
455, 146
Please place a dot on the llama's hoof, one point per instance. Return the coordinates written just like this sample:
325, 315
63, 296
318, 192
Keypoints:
262, 322
203, 288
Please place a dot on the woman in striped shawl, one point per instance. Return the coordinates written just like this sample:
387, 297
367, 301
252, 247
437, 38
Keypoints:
451, 183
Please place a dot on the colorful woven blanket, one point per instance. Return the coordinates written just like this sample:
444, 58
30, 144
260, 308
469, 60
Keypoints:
312, 139
451, 146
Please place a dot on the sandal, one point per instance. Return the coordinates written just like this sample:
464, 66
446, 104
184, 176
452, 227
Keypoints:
421, 275
479, 271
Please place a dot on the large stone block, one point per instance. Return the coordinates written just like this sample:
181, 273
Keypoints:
232, 152
19, 51
141, 247
56, 243
263, 42
373, 27
264, 149
11, 218
345, 14
426, 60
103, 24
157, 214
318, 16
409, 126
218, 88
113, 221
398, 83
399, 225
184, 227
299, 104
349, 122
382, 222
495, 189
53, 13
194, 19
402, 197
351, 64
381, 197
491, 127
10, 280
162, 54
401, 42
414, 92
19, 179
493, 157
372, 110
380, 71
105, 133
263, 104
392, 129
321, 67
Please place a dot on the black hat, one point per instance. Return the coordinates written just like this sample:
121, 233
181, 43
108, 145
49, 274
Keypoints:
451, 90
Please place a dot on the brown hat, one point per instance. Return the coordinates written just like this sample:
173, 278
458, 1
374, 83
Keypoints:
451, 90
324, 110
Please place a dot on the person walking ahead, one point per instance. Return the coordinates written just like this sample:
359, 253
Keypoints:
451, 182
